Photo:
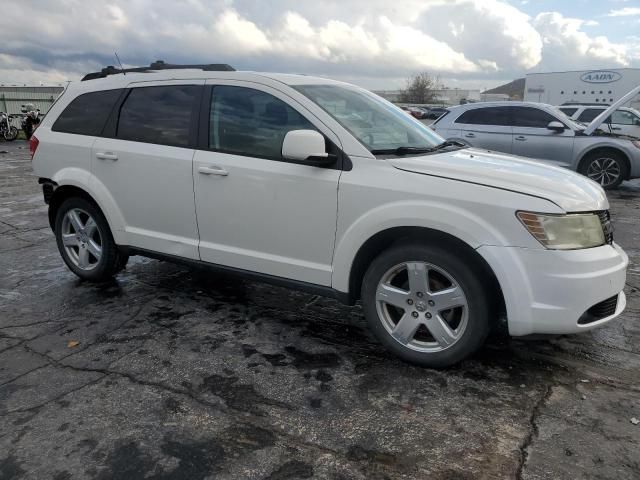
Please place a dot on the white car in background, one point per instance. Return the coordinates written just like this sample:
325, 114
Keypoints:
624, 121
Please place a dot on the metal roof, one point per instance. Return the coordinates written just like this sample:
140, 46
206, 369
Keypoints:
12, 98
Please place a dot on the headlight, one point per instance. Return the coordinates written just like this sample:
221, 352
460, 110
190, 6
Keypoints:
564, 232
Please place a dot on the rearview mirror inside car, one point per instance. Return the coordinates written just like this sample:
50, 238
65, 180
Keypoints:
306, 146
556, 126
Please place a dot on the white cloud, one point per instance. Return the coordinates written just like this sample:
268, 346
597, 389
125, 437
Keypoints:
566, 45
624, 12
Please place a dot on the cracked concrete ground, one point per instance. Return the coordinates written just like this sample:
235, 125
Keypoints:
182, 375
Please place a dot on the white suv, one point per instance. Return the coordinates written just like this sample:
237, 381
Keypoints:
325, 187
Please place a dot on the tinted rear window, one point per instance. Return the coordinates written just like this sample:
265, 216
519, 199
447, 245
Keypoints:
159, 115
87, 113
485, 116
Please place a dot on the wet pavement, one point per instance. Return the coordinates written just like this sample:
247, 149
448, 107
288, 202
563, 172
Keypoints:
168, 373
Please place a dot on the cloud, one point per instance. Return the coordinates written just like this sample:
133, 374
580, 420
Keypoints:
355, 39
567, 46
624, 12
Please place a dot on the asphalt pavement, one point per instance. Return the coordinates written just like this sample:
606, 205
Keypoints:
170, 373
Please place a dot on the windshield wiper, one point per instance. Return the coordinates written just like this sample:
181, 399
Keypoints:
448, 143
402, 150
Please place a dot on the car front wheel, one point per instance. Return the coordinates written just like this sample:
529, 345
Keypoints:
608, 169
426, 304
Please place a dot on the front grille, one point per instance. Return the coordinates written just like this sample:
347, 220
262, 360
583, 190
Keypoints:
601, 310
607, 226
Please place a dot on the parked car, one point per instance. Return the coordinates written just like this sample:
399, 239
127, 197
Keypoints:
415, 112
624, 120
325, 187
436, 112
543, 132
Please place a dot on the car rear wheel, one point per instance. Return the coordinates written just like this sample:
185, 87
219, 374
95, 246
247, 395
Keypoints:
606, 168
85, 241
426, 305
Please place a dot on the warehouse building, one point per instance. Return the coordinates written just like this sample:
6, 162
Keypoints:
13, 97
585, 86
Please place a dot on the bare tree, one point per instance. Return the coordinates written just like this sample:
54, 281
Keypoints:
420, 89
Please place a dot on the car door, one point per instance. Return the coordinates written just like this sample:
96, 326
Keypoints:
486, 127
625, 123
257, 211
532, 138
145, 163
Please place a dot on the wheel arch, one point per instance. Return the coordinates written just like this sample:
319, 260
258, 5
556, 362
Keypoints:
384, 239
605, 149
92, 191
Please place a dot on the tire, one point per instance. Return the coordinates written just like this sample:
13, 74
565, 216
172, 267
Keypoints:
78, 241
607, 168
11, 134
452, 281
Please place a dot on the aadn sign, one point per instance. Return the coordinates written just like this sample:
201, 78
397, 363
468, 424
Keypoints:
600, 76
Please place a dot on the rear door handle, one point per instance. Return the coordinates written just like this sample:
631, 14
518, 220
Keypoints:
213, 171
470, 135
106, 156
521, 138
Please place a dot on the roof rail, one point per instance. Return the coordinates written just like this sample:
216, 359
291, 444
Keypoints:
158, 65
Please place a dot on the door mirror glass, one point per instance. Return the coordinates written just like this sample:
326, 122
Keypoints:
556, 126
306, 146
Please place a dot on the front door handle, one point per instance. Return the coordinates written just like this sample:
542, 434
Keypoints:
470, 135
213, 171
106, 156
521, 138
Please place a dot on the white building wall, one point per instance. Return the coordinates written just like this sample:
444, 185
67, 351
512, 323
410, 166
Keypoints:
586, 86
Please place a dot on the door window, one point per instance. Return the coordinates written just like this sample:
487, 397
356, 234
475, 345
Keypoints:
87, 113
531, 117
249, 122
568, 111
160, 115
589, 114
622, 117
485, 116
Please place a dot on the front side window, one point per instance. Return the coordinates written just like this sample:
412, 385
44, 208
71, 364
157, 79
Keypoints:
249, 122
622, 117
531, 117
87, 113
498, 116
160, 115
568, 111
374, 122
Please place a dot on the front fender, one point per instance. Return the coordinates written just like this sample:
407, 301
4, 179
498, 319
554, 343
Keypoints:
84, 180
462, 224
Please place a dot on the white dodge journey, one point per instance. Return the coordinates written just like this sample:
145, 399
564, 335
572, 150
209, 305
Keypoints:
325, 187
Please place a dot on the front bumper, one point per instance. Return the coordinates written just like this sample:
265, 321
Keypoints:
549, 291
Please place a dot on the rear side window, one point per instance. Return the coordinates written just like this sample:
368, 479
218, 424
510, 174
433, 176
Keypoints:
568, 111
485, 116
87, 113
531, 117
249, 122
160, 115
589, 114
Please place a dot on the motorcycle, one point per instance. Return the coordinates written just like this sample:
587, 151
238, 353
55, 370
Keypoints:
7, 131
31, 119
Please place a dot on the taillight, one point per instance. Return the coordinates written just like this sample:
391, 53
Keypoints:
33, 145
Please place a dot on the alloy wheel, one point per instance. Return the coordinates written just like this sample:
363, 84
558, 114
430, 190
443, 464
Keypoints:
606, 171
422, 306
81, 239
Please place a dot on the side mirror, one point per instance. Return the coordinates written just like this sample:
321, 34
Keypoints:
556, 126
306, 146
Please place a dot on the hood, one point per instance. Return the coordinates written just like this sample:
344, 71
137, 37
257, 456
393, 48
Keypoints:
596, 122
569, 190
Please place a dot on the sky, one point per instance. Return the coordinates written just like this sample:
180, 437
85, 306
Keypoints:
373, 43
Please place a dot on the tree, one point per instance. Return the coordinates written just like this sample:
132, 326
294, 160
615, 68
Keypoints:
420, 89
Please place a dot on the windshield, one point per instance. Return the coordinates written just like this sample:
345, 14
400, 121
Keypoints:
376, 123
